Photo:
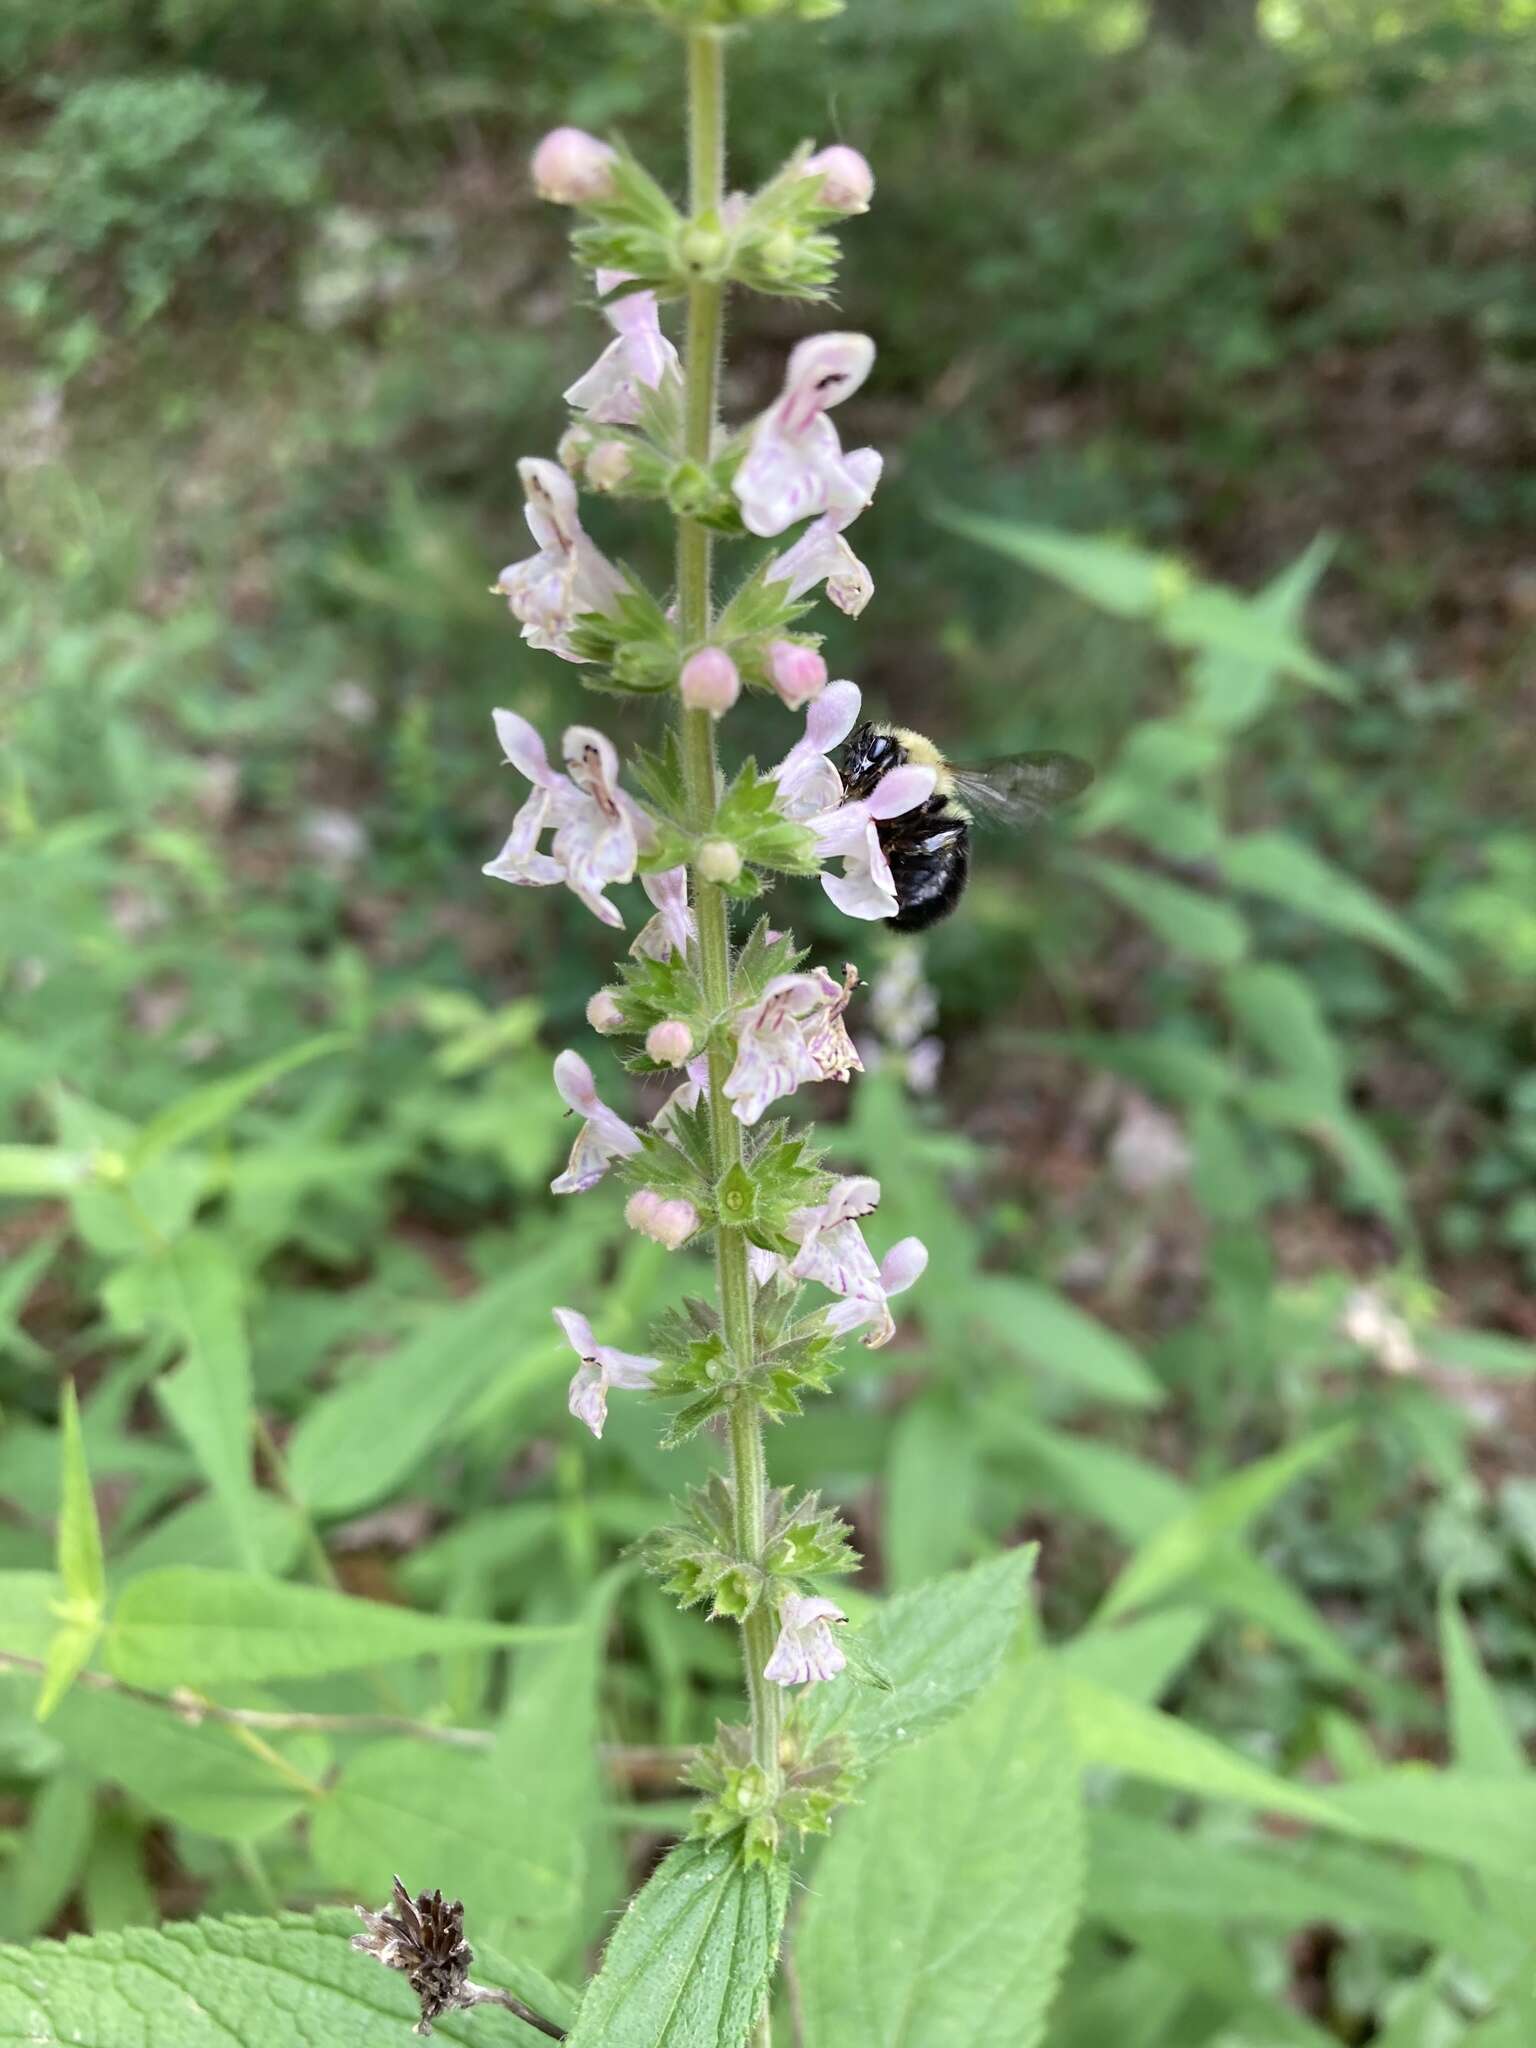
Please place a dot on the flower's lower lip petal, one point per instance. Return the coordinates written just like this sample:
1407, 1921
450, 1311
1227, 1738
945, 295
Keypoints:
859, 896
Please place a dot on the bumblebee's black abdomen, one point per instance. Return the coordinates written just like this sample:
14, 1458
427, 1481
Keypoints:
928, 869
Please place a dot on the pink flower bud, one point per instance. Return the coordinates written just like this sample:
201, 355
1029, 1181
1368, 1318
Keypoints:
709, 681
718, 860
573, 448
608, 465
670, 1042
671, 1222
573, 168
847, 182
604, 1014
797, 673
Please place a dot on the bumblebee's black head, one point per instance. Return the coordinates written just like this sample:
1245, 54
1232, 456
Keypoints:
872, 751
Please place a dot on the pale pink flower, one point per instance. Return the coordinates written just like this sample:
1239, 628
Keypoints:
572, 168
806, 1651
903, 1265
793, 1033
821, 555
569, 577
607, 465
688, 1094
847, 182
599, 831
797, 672
601, 1367
766, 1266
603, 1137
604, 1014
610, 394
671, 1221
865, 888
795, 467
809, 784
670, 1042
670, 930
709, 681
833, 1253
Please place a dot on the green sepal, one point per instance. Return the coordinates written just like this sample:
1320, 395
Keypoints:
764, 957
651, 991
760, 610
738, 1796
633, 649
749, 817
736, 1197
635, 229
659, 778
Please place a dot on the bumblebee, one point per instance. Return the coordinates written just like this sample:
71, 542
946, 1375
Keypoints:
929, 849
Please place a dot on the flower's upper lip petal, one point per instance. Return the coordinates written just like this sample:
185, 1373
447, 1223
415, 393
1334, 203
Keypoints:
903, 1265
578, 1331
902, 790
524, 749
573, 1077
833, 715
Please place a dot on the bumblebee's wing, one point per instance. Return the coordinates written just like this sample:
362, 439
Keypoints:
1022, 789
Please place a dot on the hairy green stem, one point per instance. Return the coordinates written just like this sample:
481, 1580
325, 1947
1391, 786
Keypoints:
706, 165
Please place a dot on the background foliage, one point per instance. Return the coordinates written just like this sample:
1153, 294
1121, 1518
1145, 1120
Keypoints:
1159, 303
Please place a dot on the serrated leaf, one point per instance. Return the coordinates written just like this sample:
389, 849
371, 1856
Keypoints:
690, 1963
206, 1983
938, 1646
1117, 578
190, 1626
943, 1907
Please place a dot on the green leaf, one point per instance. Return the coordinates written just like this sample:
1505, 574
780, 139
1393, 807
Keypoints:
1279, 1014
1480, 1351
208, 1397
1139, 1658
79, 1532
356, 1444
690, 1964
1125, 1493
205, 1108
1481, 1737
201, 1776
1071, 1346
43, 1866
1188, 920
1182, 1545
1230, 689
1222, 622
1489, 1823
938, 1646
456, 1819
82, 1574
1120, 1734
1273, 865
1116, 578
931, 1481
208, 1983
943, 1907
187, 1625
29, 1618
42, 1169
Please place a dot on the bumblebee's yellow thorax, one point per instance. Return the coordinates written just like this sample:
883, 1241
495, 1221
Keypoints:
924, 753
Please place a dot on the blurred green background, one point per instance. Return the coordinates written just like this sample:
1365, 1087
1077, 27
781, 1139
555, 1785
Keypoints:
1253, 294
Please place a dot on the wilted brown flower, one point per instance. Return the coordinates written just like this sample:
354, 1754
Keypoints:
423, 1937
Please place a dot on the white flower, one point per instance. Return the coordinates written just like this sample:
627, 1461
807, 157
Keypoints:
795, 467
610, 392
821, 555
809, 784
794, 1032
847, 182
573, 168
603, 1137
865, 888
903, 1265
599, 831
670, 1221
569, 576
670, 930
601, 1367
687, 1095
1369, 1321
833, 1253
766, 1266
806, 1651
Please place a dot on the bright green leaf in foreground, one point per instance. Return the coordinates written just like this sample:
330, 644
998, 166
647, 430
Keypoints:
690, 1963
945, 1902
211, 1983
